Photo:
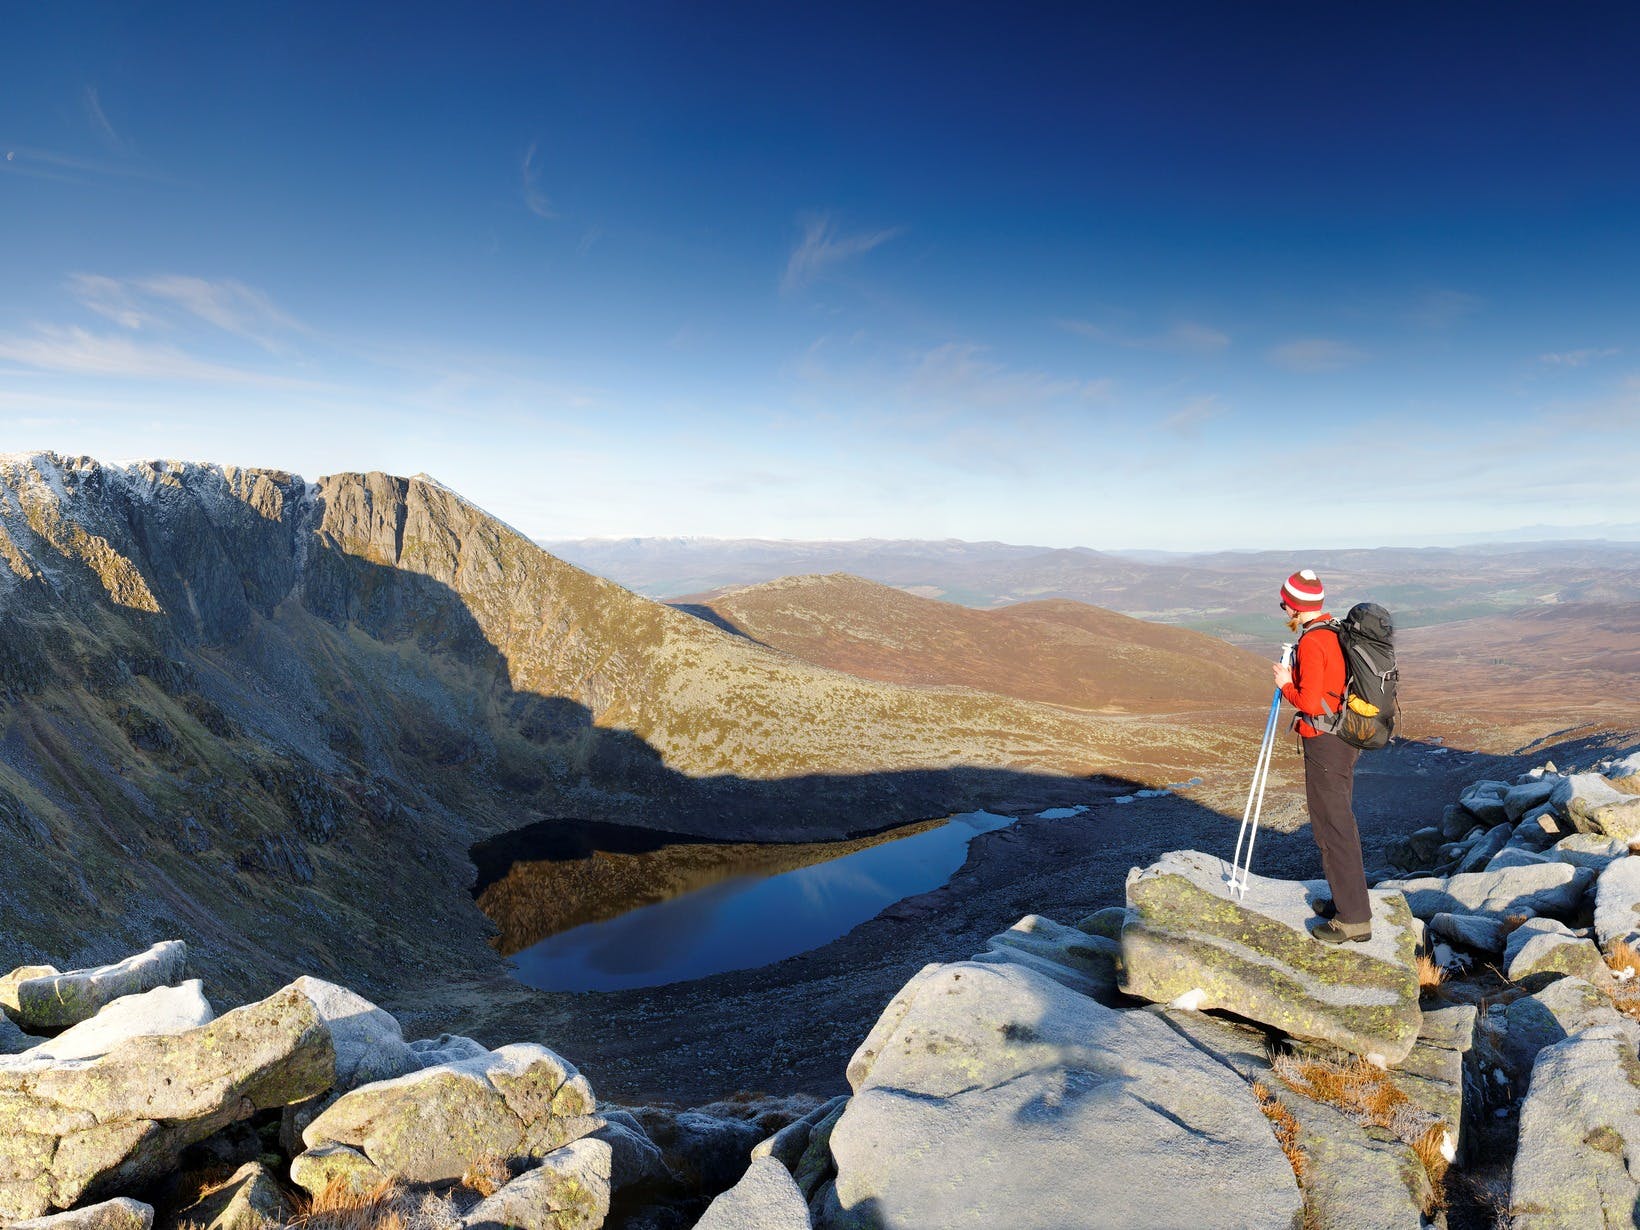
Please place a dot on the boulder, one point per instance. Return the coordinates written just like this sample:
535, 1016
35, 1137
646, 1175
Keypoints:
1617, 902
1579, 1125
1197, 945
164, 1010
1451, 1027
12, 1039
369, 1047
1540, 888
1107, 922
980, 1100
764, 1199
1482, 931
250, 1200
341, 1166
1518, 800
1455, 822
816, 1166
1419, 848
1478, 855
80, 1128
1543, 950
707, 1151
1588, 850
1083, 962
1578, 796
1516, 856
50, 1000
120, 1213
786, 1146
569, 1190
1578, 1005
1484, 801
634, 1160
429, 1126
446, 1048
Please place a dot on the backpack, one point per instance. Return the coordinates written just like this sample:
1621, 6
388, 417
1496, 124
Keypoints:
1367, 637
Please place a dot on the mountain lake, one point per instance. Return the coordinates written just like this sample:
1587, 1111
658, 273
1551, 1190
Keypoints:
588, 906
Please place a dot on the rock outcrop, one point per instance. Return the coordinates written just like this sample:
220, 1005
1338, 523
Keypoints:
982, 1093
432, 1125
1196, 943
41, 998
77, 1129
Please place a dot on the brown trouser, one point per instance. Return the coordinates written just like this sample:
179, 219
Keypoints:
1329, 778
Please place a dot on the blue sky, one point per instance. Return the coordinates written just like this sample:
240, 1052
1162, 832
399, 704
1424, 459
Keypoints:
1162, 275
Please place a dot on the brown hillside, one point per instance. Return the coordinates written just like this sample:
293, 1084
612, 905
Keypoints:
1530, 672
1056, 652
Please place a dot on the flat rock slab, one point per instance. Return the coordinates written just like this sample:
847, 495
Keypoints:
993, 1096
1083, 962
1537, 888
121, 1213
1196, 944
164, 1010
1580, 1121
1617, 902
56, 1001
766, 1198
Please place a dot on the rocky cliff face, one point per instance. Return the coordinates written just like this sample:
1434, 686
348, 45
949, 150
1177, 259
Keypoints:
270, 716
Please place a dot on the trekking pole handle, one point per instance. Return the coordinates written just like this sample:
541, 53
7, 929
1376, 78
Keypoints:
1287, 655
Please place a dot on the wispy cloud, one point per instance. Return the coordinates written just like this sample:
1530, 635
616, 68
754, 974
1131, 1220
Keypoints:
83, 353
1315, 354
71, 168
961, 375
228, 304
1186, 337
1578, 358
535, 200
100, 123
1187, 421
823, 245
1441, 309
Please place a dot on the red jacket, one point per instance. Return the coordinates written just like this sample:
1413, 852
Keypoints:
1318, 674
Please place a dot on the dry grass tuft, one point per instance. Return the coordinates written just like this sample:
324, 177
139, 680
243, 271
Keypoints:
1365, 1093
1430, 974
1622, 956
488, 1176
1431, 1150
340, 1207
1285, 1127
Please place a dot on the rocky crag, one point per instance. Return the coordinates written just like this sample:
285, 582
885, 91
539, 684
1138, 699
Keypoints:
1188, 1058
270, 717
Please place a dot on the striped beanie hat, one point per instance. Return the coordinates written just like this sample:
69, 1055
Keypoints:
1303, 591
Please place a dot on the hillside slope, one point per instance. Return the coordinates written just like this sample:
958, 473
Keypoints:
1057, 652
270, 717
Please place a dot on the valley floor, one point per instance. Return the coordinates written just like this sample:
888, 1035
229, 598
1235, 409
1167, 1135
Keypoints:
791, 1027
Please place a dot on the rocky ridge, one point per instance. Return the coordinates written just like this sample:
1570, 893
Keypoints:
1323, 1087
270, 717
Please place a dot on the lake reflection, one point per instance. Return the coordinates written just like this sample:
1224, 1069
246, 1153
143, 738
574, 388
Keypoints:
750, 920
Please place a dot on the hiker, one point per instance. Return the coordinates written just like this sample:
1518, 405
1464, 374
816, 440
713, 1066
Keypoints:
1314, 685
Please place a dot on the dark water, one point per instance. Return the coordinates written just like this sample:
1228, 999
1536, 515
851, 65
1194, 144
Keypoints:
752, 920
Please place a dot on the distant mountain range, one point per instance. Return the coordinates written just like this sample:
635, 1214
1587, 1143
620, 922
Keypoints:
1227, 594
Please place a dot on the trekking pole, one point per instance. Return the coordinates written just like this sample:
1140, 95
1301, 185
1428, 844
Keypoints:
1255, 793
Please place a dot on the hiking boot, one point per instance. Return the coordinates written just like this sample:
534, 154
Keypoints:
1334, 932
1324, 907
